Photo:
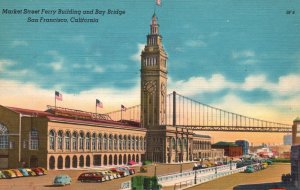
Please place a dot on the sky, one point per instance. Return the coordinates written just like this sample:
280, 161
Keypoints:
241, 56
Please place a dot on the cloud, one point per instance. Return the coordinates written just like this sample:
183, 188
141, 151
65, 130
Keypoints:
17, 43
34, 97
197, 85
242, 54
137, 56
58, 62
195, 43
4, 63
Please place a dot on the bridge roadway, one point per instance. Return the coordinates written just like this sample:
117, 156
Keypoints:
238, 128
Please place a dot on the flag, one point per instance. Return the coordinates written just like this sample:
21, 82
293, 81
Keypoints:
58, 96
158, 2
99, 103
123, 108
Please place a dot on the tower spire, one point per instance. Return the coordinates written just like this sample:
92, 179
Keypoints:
154, 25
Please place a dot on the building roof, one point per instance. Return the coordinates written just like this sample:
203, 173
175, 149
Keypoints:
297, 119
202, 136
222, 143
77, 117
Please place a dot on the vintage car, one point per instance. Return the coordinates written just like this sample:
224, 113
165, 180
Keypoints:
9, 174
249, 169
24, 172
120, 172
62, 180
30, 172
91, 176
37, 171
124, 170
45, 172
17, 172
131, 170
115, 173
2, 176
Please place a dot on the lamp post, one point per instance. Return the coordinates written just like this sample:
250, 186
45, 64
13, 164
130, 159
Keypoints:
154, 169
181, 168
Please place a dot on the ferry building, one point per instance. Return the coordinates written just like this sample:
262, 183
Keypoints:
61, 138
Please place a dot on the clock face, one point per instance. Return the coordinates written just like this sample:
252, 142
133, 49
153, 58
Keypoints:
150, 86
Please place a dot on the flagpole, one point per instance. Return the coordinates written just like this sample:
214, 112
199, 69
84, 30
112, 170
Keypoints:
121, 114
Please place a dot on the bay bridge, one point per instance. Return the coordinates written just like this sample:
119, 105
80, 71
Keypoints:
191, 114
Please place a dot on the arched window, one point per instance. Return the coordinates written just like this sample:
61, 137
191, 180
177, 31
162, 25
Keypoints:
179, 144
173, 144
88, 141
81, 141
51, 140
120, 142
115, 143
94, 141
59, 140
129, 143
141, 143
34, 139
100, 142
105, 142
3, 137
67, 140
137, 143
110, 140
125, 143
74, 141
185, 144
133, 143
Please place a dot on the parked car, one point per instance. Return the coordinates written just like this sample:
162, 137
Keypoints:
120, 172
30, 172
115, 173
37, 171
91, 176
9, 174
62, 180
24, 172
125, 170
249, 169
131, 170
45, 172
17, 172
2, 176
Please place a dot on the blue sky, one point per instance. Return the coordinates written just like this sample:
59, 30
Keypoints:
242, 56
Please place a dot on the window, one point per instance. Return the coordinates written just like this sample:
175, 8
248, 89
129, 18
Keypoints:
88, 141
3, 137
173, 144
100, 142
115, 143
141, 143
60, 140
105, 142
74, 141
94, 141
51, 140
110, 142
34, 139
120, 142
125, 143
129, 143
81, 140
67, 141
137, 143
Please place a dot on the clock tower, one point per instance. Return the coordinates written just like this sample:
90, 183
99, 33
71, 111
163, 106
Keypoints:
153, 79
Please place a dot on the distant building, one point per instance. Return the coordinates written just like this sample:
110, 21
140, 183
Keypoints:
245, 146
295, 153
287, 139
230, 149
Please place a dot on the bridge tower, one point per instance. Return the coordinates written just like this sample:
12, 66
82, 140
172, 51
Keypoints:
154, 92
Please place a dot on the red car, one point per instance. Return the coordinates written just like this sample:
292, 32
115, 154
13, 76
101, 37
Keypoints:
91, 176
38, 171
122, 173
